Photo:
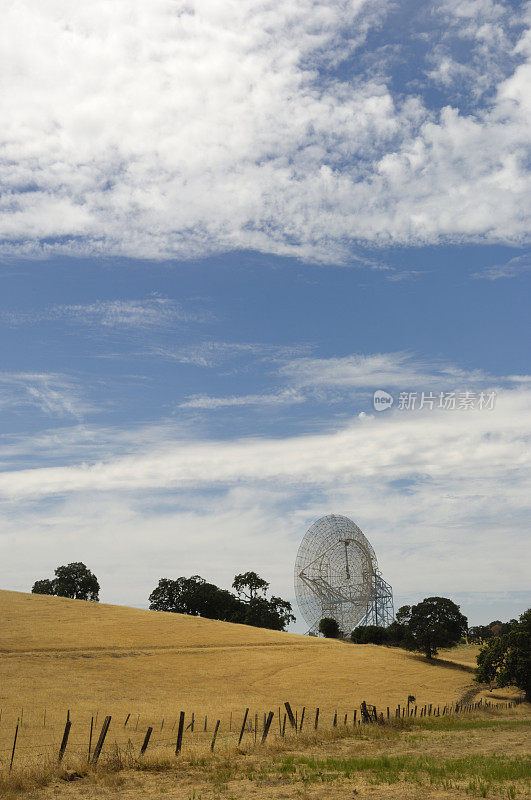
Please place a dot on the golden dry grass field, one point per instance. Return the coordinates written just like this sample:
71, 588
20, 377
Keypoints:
96, 659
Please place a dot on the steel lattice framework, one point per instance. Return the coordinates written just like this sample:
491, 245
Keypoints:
337, 575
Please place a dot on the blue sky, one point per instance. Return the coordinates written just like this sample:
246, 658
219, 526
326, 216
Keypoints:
220, 236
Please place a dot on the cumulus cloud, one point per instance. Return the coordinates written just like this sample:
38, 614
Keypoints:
173, 129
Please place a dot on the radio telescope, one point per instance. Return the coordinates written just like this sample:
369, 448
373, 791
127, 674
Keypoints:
337, 575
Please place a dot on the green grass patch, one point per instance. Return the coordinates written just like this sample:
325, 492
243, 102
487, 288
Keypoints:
464, 724
477, 769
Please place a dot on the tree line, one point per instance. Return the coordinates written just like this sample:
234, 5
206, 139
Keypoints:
249, 604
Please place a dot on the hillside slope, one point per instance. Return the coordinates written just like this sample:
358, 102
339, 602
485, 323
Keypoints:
63, 653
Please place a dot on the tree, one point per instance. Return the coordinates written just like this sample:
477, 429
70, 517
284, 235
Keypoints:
403, 615
397, 635
73, 580
329, 627
77, 581
435, 622
369, 634
283, 610
43, 587
506, 659
274, 614
478, 634
197, 597
249, 584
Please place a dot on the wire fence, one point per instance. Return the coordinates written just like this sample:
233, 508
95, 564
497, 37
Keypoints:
35, 733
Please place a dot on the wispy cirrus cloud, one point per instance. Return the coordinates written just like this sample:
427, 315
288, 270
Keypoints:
333, 380
511, 269
52, 394
152, 312
281, 398
377, 370
211, 353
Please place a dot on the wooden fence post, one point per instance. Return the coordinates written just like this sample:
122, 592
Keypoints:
290, 715
242, 731
267, 725
284, 726
14, 745
126, 720
180, 730
146, 740
302, 718
335, 718
64, 741
316, 723
101, 739
365, 717
213, 742
90, 735
355, 715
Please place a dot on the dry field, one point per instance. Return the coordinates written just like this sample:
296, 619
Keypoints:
96, 659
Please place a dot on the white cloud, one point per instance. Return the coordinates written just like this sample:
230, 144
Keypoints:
378, 371
179, 129
286, 397
511, 269
443, 497
153, 312
54, 395
400, 442
211, 353
331, 380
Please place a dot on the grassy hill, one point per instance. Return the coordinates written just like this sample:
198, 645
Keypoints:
63, 653
143, 667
